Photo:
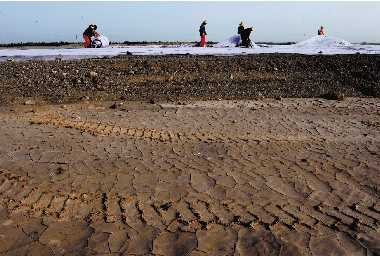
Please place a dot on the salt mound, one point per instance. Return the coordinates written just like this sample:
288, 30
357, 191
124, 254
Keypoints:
323, 41
231, 42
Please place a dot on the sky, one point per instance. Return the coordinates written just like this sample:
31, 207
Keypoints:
172, 21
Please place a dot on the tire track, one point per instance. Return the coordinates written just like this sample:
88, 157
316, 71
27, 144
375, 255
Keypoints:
200, 215
99, 128
185, 214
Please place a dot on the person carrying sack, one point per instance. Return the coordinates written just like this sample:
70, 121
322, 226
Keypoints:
88, 33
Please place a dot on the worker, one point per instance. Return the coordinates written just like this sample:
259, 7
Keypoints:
202, 33
320, 31
241, 27
245, 40
88, 33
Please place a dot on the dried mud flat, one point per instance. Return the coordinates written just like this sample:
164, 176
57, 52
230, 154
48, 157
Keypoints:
187, 177
268, 177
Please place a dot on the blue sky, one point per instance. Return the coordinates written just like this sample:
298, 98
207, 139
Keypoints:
293, 21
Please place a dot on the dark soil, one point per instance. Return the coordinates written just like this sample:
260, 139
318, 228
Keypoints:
189, 77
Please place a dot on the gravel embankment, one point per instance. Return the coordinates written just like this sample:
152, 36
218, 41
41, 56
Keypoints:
188, 77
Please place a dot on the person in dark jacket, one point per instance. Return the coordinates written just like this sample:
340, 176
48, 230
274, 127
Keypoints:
88, 33
241, 27
245, 40
202, 33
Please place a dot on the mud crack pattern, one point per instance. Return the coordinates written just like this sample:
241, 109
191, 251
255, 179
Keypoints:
296, 176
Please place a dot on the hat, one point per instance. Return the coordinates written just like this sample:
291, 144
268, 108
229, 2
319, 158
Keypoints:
241, 24
322, 27
205, 21
252, 28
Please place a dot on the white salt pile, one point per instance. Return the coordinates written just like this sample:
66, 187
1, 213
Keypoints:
323, 41
231, 42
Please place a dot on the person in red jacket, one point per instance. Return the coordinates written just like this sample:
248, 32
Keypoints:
320, 31
88, 33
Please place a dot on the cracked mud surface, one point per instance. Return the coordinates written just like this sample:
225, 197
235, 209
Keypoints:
266, 177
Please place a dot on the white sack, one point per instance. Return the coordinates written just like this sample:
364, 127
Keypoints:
100, 42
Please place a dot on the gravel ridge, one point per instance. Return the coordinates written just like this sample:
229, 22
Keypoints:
189, 77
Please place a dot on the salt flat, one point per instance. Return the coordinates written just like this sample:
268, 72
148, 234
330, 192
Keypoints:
314, 45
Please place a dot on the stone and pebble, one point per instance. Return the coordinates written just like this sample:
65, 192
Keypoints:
188, 77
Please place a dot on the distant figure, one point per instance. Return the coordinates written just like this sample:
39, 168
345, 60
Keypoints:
88, 33
320, 31
241, 27
202, 33
245, 40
